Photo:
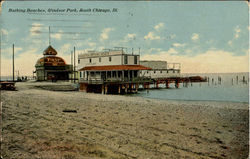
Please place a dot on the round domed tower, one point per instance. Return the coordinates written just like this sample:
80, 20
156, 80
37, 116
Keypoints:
51, 67
50, 58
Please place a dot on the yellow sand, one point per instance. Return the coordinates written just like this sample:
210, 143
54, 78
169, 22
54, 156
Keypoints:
113, 126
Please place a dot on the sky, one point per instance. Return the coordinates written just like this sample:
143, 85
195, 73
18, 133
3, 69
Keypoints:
205, 37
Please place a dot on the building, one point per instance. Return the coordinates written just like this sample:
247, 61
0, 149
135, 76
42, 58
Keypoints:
52, 67
110, 71
160, 69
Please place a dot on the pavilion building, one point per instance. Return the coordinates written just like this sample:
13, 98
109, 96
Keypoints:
110, 71
51, 67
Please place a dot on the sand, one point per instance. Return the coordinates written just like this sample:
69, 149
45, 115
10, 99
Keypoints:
120, 127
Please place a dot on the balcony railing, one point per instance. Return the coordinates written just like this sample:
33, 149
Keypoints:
114, 80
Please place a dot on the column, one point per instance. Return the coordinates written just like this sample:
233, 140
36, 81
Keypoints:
128, 75
126, 88
119, 89
136, 87
106, 89
167, 84
176, 84
103, 89
123, 75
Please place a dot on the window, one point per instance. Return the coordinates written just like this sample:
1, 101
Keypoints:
125, 59
147, 71
161, 71
154, 71
78, 61
135, 59
80, 74
110, 59
90, 60
100, 59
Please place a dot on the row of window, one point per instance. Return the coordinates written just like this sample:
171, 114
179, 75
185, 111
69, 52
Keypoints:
110, 59
100, 60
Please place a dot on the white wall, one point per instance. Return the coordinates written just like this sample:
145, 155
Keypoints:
115, 60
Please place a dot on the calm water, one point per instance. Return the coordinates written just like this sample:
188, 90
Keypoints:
228, 90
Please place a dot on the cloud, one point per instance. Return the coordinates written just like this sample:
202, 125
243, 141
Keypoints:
4, 32
7, 53
195, 37
57, 36
230, 42
92, 44
178, 45
211, 61
172, 51
65, 49
24, 63
152, 50
159, 26
129, 37
36, 29
105, 33
152, 36
188, 51
237, 32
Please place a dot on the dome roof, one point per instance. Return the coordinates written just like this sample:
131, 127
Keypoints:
51, 61
50, 51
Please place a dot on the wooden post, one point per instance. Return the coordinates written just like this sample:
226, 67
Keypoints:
157, 84
74, 63
13, 64
123, 75
176, 84
128, 75
167, 84
103, 89
106, 89
119, 89
126, 88
136, 87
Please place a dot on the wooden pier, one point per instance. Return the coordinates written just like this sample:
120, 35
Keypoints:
132, 86
175, 80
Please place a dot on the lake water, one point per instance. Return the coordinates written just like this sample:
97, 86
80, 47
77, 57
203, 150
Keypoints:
228, 90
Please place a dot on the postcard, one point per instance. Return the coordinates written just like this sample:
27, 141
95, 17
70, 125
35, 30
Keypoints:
124, 79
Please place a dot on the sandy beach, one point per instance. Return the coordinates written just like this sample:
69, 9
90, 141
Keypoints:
118, 127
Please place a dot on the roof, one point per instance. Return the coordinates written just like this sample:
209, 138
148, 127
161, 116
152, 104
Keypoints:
51, 61
115, 68
50, 51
